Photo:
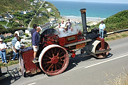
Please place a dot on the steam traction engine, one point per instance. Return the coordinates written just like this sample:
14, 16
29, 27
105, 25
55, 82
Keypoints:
53, 54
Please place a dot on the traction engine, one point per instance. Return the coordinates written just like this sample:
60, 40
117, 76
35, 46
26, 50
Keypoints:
53, 53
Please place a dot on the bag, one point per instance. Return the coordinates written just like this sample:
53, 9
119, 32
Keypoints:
26, 49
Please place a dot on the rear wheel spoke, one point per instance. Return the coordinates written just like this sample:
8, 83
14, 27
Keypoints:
62, 56
46, 66
57, 54
49, 62
48, 53
58, 66
49, 67
55, 67
60, 63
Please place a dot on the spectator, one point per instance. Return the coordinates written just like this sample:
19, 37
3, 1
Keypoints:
59, 25
35, 43
17, 33
18, 47
14, 40
68, 24
3, 51
101, 29
62, 24
34, 29
1, 36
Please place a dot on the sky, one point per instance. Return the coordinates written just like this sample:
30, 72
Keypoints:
99, 1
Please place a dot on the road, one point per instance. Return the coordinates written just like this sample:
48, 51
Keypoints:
85, 70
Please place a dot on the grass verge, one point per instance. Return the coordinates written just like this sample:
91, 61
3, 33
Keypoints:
122, 79
9, 63
117, 36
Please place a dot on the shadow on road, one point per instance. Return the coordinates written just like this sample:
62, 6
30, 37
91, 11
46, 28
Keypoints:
73, 62
13, 76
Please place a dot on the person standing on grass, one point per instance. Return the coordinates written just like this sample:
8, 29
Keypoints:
14, 40
3, 48
18, 47
101, 29
35, 43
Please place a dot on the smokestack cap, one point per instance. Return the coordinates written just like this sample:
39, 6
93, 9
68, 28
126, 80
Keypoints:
83, 10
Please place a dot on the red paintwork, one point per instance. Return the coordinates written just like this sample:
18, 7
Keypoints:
73, 55
50, 39
64, 40
54, 59
30, 67
102, 42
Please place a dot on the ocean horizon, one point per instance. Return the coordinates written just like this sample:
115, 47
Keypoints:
94, 10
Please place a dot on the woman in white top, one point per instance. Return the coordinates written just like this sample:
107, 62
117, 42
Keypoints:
17, 46
3, 51
62, 25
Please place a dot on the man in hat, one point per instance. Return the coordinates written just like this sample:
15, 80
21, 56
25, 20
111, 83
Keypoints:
3, 51
101, 29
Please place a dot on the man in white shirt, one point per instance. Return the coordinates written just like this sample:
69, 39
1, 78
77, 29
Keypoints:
3, 51
101, 29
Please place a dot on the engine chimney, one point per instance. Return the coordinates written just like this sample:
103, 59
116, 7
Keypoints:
83, 16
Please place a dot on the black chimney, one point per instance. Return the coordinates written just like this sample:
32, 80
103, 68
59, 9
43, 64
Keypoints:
83, 16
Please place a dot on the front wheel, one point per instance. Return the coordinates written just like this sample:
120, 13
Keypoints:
102, 55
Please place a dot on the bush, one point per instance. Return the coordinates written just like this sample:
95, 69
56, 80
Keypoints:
116, 22
26, 35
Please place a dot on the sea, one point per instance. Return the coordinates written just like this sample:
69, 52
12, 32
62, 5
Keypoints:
93, 10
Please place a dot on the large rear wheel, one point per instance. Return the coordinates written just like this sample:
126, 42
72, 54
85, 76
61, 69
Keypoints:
53, 59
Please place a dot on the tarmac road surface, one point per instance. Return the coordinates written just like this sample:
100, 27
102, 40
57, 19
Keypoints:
84, 70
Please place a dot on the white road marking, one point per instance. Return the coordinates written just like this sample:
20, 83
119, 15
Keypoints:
106, 61
99, 63
32, 83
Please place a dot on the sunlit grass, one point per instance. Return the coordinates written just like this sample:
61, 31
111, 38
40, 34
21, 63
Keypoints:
116, 36
9, 63
122, 79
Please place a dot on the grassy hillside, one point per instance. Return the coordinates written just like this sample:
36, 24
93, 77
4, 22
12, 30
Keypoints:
46, 15
118, 21
22, 20
14, 5
55, 11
